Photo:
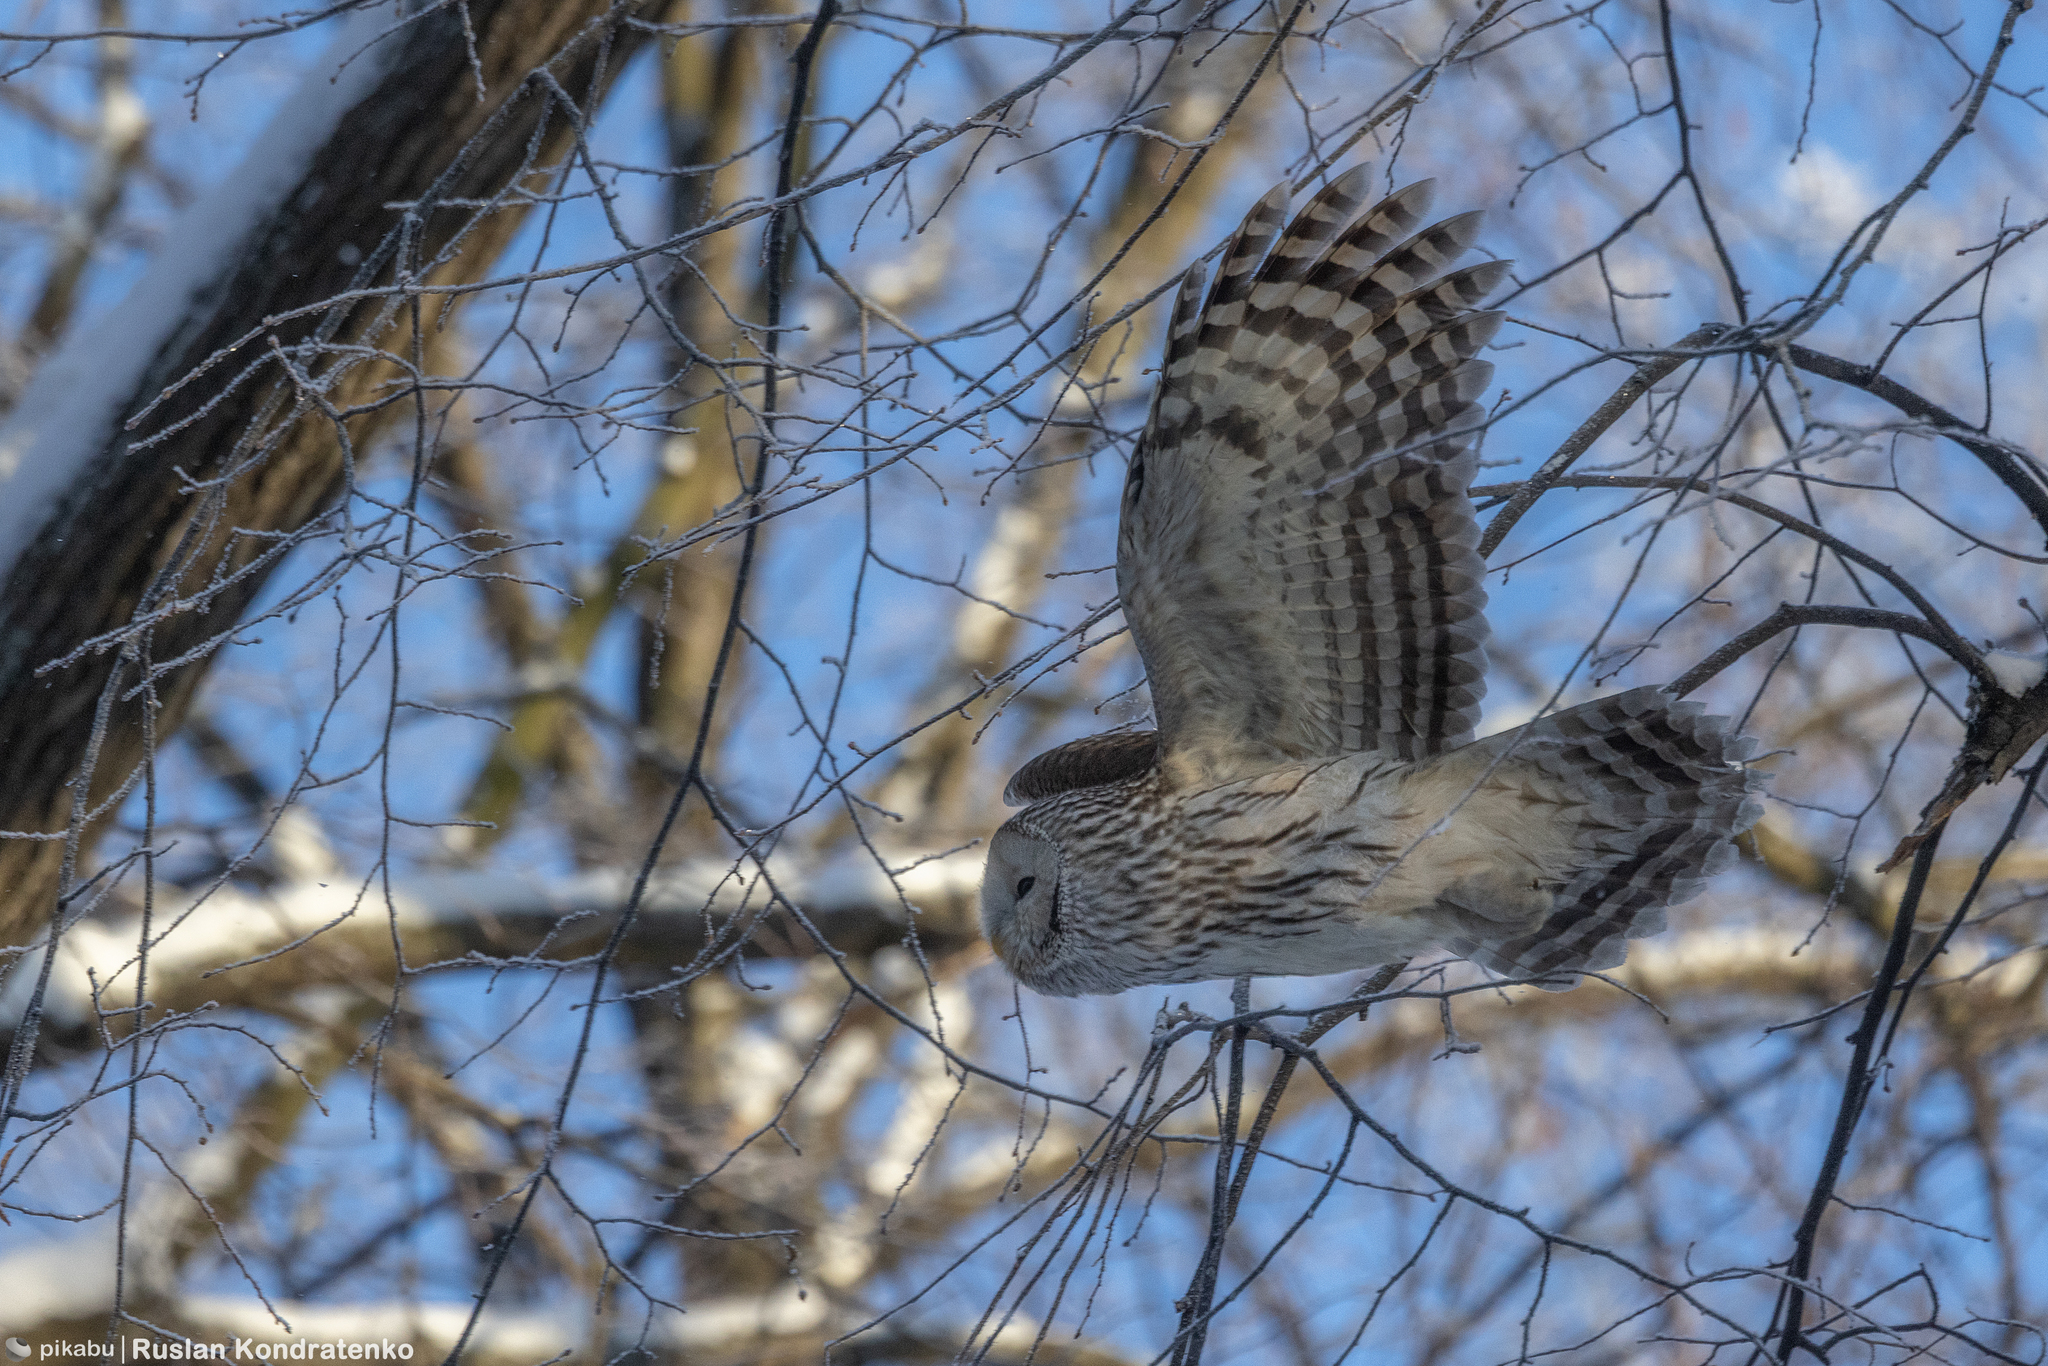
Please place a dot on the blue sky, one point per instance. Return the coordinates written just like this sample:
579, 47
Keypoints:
1881, 105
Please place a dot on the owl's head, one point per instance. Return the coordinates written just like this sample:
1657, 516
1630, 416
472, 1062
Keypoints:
1020, 904
1044, 913
1051, 892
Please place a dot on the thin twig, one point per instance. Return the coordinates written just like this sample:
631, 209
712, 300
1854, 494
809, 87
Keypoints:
1855, 1091
1791, 614
2025, 484
1606, 415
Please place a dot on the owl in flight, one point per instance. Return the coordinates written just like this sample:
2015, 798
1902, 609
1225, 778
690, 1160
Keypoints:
1297, 559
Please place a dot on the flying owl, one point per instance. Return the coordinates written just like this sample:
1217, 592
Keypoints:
1298, 565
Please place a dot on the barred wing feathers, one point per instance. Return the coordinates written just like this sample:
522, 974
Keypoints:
1297, 555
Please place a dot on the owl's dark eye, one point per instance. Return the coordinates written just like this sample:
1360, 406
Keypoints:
1024, 886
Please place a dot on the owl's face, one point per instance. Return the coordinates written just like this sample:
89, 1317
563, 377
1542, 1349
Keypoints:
1051, 913
1020, 903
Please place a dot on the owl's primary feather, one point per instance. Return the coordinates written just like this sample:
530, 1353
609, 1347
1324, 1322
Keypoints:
1299, 567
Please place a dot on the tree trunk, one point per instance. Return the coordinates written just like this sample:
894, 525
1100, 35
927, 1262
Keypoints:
119, 554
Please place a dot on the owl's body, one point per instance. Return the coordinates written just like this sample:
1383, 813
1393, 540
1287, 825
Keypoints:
1299, 850
1298, 565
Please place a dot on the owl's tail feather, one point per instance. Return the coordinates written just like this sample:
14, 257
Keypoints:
1653, 793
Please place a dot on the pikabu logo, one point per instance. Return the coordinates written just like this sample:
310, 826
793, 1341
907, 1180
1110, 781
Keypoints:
17, 1348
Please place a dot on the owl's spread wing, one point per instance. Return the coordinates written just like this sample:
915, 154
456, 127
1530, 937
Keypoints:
1297, 555
1091, 762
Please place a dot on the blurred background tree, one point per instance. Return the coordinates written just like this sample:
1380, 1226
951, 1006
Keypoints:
535, 533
